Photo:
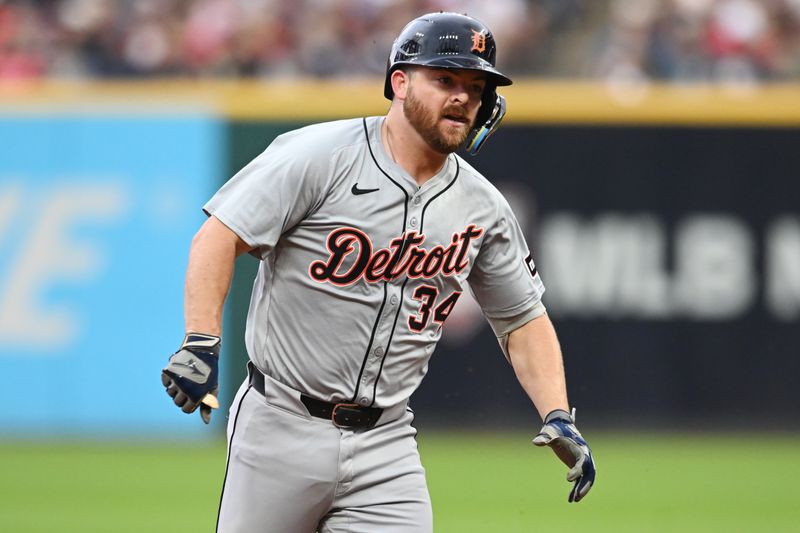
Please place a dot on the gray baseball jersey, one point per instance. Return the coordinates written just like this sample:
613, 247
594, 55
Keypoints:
360, 266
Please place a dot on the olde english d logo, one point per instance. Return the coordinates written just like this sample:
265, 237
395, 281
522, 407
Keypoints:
404, 256
478, 41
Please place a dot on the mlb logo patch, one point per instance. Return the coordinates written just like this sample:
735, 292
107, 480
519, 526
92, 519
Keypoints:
530, 265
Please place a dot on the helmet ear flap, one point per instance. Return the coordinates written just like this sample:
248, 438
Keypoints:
484, 127
488, 100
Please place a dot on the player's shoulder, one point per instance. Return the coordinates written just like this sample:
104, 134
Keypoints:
475, 183
322, 137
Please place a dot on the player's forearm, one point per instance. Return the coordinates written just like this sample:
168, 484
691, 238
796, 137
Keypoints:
536, 357
208, 277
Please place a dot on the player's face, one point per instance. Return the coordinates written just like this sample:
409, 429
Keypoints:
442, 104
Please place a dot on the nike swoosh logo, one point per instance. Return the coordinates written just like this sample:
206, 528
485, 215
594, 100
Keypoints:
355, 190
190, 365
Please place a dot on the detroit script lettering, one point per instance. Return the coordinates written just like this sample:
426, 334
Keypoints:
404, 256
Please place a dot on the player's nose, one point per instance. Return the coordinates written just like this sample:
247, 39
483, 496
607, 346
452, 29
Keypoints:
459, 93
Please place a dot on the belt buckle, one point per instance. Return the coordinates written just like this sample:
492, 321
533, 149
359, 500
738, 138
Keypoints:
349, 411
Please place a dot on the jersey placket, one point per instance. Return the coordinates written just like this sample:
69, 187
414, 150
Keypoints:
390, 322
381, 344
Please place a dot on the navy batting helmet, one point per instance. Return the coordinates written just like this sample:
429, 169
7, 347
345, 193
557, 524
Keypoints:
453, 41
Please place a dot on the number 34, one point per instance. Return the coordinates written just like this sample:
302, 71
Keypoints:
427, 295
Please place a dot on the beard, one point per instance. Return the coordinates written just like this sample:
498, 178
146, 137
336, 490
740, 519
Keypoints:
443, 138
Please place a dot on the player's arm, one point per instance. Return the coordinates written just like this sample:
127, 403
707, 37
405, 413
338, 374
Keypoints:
191, 375
535, 354
208, 275
536, 357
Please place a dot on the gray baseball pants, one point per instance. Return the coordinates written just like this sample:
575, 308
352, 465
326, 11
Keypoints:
290, 472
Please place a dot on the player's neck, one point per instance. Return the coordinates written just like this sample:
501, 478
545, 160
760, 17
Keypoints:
409, 150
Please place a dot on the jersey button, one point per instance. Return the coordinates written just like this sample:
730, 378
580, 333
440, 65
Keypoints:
413, 222
363, 401
393, 300
379, 351
417, 200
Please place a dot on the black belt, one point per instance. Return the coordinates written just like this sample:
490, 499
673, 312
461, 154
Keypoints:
345, 415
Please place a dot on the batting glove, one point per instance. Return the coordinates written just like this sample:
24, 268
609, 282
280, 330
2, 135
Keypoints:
559, 432
191, 374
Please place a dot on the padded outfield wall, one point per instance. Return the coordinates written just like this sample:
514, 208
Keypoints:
665, 223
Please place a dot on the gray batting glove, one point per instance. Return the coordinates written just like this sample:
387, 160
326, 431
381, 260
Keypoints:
191, 375
559, 432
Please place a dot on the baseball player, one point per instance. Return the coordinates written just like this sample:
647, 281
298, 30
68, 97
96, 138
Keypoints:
368, 231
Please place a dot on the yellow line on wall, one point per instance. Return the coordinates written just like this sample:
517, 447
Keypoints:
529, 101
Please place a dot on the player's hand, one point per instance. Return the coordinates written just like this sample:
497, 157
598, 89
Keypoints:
559, 432
191, 374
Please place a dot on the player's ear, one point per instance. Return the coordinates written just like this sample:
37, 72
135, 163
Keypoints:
400, 80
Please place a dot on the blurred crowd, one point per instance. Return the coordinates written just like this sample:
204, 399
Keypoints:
700, 40
629, 39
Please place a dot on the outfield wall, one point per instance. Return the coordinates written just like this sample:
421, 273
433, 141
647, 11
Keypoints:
665, 223
96, 215
671, 256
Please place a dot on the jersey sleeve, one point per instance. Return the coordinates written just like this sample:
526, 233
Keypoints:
504, 279
273, 193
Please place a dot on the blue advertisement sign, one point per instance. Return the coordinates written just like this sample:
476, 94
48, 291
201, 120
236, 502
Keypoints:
96, 219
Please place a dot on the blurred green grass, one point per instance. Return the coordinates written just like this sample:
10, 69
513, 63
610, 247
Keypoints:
479, 483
